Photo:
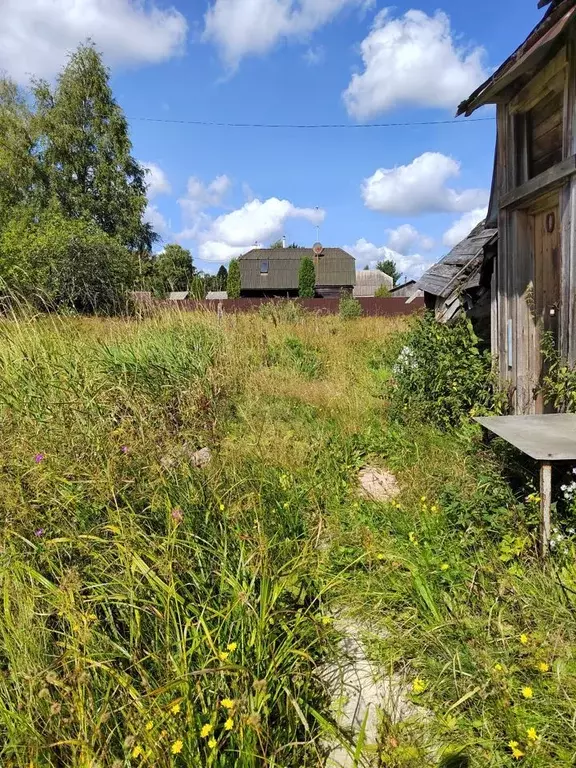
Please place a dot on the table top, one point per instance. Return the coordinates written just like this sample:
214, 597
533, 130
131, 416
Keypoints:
546, 437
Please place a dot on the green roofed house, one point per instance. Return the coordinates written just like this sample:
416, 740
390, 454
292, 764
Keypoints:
273, 272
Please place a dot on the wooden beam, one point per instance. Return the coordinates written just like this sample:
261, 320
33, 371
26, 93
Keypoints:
545, 181
545, 505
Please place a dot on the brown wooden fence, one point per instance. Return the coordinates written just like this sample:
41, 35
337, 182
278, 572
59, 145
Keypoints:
372, 307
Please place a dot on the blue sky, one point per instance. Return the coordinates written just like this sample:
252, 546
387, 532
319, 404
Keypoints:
412, 190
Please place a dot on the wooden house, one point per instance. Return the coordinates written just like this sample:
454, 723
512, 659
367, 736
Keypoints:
273, 272
533, 201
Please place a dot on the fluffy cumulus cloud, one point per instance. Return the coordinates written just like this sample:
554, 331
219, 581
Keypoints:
256, 221
406, 238
420, 187
411, 266
200, 196
463, 226
37, 35
156, 181
241, 28
412, 59
156, 219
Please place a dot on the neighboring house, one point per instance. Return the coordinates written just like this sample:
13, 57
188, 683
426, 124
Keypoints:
274, 271
177, 295
216, 296
369, 280
532, 203
460, 282
408, 290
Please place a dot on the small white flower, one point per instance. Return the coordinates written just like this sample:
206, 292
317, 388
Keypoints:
552, 544
571, 531
563, 488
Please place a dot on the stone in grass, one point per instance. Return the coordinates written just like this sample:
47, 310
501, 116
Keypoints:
378, 484
201, 458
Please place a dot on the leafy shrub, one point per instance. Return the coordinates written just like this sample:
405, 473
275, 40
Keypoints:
66, 263
383, 292
441, 376
306, 279
349, 308
559, 382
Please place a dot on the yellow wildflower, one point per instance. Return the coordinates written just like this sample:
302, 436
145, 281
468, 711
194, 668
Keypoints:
223, 655
524, 639
212, 743
177, 747
418, 686
423, 499
532, 735
516, 751
327, 620
232, 647
444, 567
229, 724
498, 667
227, 703
527, 692
207, 729
149, 725
543, 667
137, 751
412, 537
380, 556
434, 509
175, 708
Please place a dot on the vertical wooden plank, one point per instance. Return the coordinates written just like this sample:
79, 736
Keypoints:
567, 320
502, 261
545, 506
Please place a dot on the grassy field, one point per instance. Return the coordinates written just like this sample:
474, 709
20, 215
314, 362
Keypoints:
157, 613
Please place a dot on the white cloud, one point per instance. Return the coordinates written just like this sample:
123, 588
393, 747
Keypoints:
156, 181
156, 219
200, 196
411, 266
413, 59
37, 35
241, 28
256, 221
463, 226
406, 238
314, 55
420, 187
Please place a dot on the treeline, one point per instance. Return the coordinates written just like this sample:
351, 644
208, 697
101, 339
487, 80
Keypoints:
73, 198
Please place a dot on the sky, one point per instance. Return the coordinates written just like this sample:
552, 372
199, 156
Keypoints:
403, 192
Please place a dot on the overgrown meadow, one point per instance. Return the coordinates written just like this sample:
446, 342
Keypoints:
159, 613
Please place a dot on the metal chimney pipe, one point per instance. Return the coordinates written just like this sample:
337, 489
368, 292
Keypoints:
283, 241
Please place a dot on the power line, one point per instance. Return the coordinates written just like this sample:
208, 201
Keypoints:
215, 124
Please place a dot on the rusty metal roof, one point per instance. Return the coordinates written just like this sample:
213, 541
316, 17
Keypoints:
527, 57
334, 267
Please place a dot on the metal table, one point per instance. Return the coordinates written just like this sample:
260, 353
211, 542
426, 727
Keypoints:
547, 438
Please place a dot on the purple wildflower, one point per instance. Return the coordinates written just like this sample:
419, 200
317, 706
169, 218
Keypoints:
39, 532
39, 458
177, 515
124, 449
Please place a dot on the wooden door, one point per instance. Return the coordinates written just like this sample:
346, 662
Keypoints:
547, 263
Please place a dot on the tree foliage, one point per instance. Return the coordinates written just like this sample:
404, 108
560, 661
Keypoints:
280, 244
222, 278
173, 269
70, 189
307, 279
234, 285
389, 268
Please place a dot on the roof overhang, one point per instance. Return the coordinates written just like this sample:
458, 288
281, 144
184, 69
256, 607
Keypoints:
534, 50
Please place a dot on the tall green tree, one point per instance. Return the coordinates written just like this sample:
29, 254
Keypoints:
234, 284
173, 269
388, 266
307, 279
222, 278
86, 152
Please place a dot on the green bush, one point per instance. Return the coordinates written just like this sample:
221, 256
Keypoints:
349, 308
60, 263
234, 282
441, 376
559, 382
383, 292
307, 279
